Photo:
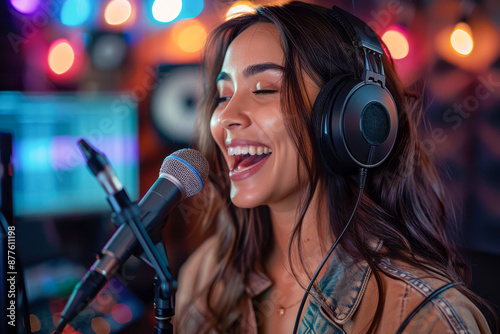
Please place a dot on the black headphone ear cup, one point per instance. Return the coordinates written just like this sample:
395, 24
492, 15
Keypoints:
356, 124
321, 116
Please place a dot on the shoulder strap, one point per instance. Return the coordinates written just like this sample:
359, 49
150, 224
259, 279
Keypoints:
422, 304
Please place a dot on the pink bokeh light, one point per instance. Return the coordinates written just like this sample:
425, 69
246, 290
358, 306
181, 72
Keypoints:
25, 6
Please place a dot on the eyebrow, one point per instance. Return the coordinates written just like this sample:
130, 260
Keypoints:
253, 70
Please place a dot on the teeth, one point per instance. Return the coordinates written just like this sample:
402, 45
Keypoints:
252, 150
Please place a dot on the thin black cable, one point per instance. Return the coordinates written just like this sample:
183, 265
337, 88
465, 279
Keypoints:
330, 251
422, 304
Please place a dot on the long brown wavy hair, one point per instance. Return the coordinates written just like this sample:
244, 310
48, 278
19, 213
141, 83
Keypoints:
403, 204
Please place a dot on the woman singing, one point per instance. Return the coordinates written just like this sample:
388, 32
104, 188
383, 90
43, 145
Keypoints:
281, 199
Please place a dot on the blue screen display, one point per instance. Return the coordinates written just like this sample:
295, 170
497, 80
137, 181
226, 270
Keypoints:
50, 175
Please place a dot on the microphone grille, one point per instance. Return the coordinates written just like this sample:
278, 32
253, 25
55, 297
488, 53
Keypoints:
188, 166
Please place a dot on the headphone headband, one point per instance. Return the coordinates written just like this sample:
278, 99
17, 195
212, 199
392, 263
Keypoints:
358, 31
364, 38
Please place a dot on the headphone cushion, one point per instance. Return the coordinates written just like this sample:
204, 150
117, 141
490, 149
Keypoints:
321, 114
329, 91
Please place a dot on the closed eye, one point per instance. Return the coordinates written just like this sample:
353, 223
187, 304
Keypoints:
264, 91
222, 99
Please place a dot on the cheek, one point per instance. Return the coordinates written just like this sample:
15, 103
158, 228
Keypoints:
274, 124
216, 130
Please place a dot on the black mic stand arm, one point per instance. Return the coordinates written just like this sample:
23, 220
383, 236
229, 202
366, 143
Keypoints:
125, 211
165, 285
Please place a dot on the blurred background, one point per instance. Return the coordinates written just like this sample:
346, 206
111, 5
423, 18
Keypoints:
124, 74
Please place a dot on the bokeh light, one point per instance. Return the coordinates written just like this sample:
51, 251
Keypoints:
25, 6
461, 39
56, 317
239, 8
190, 36
35, 323
100, 326
108, 52
121, 313
117, 12
191, 9
396, 43
61, 56
75, 12
166, 10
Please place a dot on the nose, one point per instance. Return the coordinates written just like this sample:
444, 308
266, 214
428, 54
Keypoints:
234, 115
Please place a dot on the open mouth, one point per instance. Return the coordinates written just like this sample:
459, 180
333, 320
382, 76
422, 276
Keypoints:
247, 157
244, 162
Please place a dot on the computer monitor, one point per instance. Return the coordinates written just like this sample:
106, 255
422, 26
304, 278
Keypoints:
50, 175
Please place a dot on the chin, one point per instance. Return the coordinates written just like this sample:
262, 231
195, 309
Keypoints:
244, 205
246, 201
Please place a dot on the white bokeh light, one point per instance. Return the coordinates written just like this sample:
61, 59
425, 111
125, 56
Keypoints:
166, 10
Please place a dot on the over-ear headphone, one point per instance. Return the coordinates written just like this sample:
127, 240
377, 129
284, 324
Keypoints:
357, 118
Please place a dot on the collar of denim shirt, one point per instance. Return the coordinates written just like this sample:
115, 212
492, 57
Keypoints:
341, 287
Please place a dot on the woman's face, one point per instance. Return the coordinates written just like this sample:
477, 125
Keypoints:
248, 124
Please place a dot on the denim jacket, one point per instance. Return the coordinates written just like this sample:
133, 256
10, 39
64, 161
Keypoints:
349, 298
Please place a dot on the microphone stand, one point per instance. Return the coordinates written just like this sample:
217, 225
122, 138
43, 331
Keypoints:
164, 284
125, 211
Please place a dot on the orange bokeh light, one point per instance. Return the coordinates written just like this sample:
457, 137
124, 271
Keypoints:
35, 323
461, 39
61, 56
117, 12
190, 36
396, 43
240, 8
100, 326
